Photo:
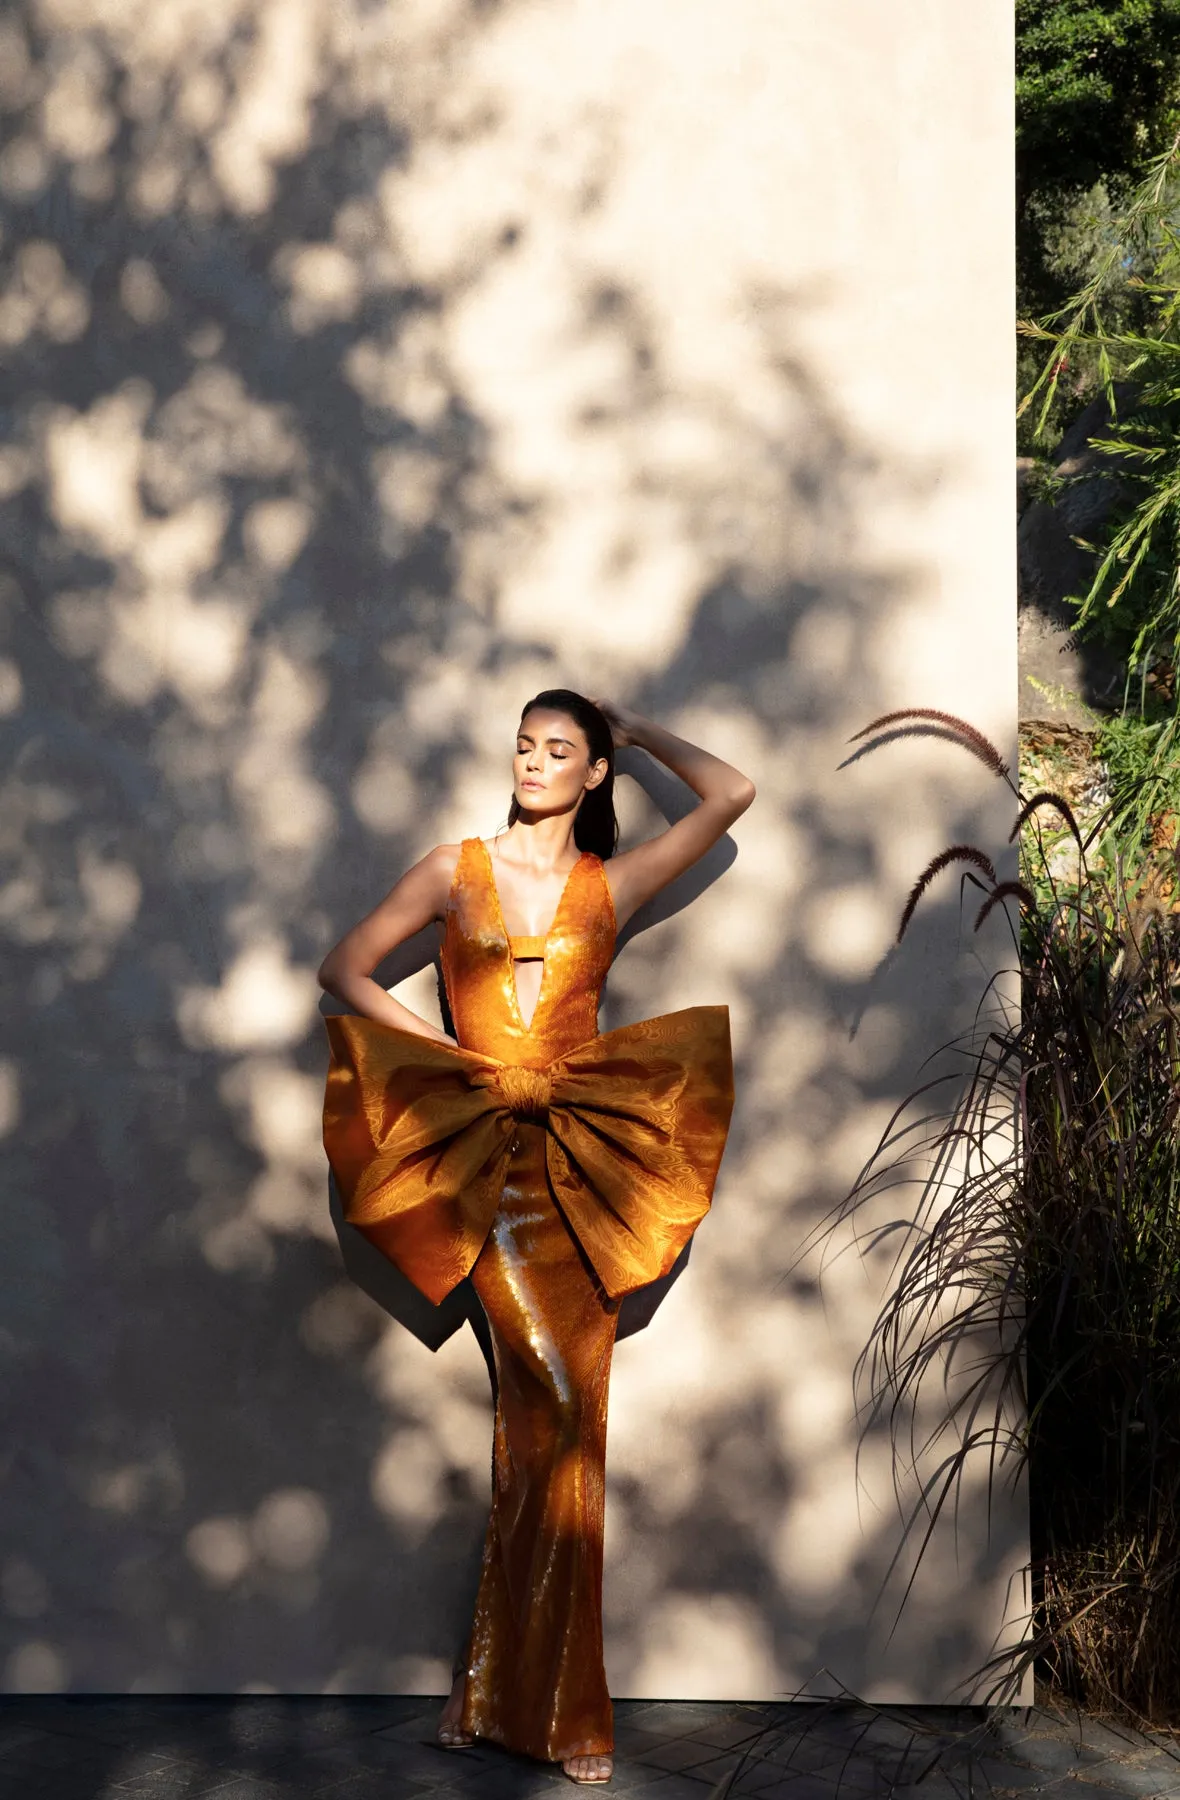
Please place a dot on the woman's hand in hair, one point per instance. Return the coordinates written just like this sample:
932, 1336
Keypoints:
622, 721
723, 794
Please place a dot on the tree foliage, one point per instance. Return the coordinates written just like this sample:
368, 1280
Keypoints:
1095, 88
1132, 602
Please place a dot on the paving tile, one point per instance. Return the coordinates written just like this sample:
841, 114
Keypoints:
679, 1787
50, 1751
896, 1730
412, 1729
1051, 1755
122, 1721
264, 1747
635, 1778
247, 1787
508, 1781
1013, 1777
376, 1787
724, 1734
1160, 1775
717, 1767
935, 1787
682, 1716
1098, 1734
788, 1787
191, 1779
676, 1754
420, 1754
172, 1781
804, 1752
289, 1729
62, 1784
303, 1777
16, 1733
1086, 1790
632, 1740
753, 1781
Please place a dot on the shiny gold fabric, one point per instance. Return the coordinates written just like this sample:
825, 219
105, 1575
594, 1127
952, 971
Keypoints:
561, 1169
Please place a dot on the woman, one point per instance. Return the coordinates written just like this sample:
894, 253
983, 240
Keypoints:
558, 1168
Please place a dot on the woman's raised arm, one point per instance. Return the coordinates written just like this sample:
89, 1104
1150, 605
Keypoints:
725, 793
346, 971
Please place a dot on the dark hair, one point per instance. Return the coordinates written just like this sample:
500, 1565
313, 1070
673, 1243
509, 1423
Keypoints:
595, 827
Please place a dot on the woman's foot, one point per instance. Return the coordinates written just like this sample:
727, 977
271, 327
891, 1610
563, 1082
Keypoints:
589, 1769
448, 1731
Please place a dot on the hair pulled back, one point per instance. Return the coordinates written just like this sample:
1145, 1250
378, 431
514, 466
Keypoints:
595, 827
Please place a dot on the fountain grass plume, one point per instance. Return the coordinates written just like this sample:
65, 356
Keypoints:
967, 853
1047, 797
1033, 1312
969, 735
1005, 890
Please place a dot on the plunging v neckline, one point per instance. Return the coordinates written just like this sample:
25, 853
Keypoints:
545, 936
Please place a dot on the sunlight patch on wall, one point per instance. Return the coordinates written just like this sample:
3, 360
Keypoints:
384, 793
93, 462
264, 1002
36, 1667
220, 1549
290, 1528
340, 1320
77, 119
281, 1110
24, 1591
286, 808
407, 1480
819, 1537
688, 1638
41, 297
125, 1489
275, 531
10, 1107
270, 116
324, 285
846, 930
288, 1531
452, 1417
143, 295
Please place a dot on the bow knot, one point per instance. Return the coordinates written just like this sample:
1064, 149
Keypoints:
526, 1092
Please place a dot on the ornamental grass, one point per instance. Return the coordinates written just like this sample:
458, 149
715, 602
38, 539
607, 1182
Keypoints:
1033, 1315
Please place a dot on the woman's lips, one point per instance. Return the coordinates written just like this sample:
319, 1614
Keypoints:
537, 785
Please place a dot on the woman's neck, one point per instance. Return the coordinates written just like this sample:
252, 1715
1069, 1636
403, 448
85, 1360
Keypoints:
542, 844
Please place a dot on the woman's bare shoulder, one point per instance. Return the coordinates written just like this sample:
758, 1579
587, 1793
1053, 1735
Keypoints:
428, 880
441, 862
443, 856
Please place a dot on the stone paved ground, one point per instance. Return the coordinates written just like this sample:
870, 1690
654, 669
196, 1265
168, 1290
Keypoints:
264, 1748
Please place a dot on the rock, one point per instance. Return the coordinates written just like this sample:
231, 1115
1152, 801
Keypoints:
1059, 678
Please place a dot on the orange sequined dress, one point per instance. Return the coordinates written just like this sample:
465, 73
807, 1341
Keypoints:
560, 1169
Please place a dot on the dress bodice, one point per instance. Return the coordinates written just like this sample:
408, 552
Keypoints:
478, 969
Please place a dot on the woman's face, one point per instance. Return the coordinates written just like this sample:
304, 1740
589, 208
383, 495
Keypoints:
552, 769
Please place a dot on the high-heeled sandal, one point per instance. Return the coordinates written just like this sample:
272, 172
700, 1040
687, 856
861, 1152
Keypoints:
449, 1735
589, 1780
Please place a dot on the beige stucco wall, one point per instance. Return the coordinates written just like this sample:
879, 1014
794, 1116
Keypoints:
366, 368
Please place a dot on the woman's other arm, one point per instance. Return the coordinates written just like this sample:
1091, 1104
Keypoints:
346, 971
724, 794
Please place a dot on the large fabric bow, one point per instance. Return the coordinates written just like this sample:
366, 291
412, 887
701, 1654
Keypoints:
419, 1136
